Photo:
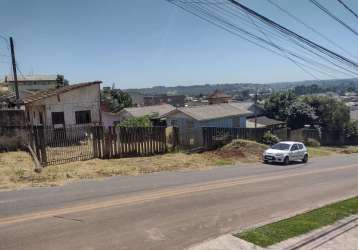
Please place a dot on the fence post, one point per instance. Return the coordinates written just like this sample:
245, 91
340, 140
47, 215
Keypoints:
95, 141
41, 144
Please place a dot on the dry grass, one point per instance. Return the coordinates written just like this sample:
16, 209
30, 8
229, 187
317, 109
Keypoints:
17, 169
327, 151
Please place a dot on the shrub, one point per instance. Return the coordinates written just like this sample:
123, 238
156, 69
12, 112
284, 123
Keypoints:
269, 138
312, 143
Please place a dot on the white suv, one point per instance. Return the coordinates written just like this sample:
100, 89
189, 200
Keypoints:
285, 152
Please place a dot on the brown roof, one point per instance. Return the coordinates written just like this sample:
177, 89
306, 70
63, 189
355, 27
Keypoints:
52, 92
218, 94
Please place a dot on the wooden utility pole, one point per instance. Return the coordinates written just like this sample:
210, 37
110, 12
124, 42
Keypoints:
255, 108
14, 72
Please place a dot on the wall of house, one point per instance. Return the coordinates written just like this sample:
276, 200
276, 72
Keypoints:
81, 99
109, 119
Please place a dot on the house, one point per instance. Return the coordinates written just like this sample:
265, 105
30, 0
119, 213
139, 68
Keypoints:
216, 115
35, 83
265, 122
154, 111
174, 100
75, 104
191, 120
218, 97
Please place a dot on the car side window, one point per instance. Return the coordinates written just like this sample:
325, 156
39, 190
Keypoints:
294, 147
300, 146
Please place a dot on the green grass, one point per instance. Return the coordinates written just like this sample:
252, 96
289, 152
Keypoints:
282, 230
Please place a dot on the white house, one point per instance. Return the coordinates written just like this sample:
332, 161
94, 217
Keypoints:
69, 105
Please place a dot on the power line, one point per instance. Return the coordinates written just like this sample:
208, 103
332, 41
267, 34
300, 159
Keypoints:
309, 27
325, 10
217, 20
282, 33
348, 8
296, 36
305, 49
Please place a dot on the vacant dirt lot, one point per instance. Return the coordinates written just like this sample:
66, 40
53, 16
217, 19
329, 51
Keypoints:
17, 169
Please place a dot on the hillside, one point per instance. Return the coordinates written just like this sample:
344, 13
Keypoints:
233, 88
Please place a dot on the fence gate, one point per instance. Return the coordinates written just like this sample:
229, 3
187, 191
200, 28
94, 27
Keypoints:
76, 143
57, 146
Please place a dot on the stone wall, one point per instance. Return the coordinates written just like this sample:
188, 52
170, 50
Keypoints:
13, 130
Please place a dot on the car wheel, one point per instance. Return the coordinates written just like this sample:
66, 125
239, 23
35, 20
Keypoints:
305, 159
266, 161
286, 161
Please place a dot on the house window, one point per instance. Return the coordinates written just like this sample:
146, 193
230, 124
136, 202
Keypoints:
83, 117
58, 118
174, 123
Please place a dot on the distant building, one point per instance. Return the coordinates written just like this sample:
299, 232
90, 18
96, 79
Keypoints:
218, 97
137, 99
35, 83
174, 100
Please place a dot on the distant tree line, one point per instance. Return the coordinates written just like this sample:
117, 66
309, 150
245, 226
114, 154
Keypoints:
316, 89
327, 112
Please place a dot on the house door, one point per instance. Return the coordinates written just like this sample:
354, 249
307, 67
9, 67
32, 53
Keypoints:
58, 123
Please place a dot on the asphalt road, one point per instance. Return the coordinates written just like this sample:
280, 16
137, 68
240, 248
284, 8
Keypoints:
171, 210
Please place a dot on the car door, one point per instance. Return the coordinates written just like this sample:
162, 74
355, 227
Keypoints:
293, 152
301, 151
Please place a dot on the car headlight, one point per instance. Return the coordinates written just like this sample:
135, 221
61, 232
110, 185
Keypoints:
279, 155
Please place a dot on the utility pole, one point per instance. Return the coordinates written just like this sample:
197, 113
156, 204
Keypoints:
14, 72
255, 108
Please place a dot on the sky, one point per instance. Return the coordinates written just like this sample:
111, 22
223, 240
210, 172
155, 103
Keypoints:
145, 43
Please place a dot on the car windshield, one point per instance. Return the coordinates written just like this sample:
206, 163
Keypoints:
281, 146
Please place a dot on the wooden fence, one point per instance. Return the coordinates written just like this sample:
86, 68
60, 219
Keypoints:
214, 137
75, 143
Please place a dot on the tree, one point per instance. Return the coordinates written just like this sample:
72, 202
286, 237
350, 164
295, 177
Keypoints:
352, 129
299, 115
116, 99
331, 113
277, 106
143, 121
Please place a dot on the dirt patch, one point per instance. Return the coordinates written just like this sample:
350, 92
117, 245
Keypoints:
242, 151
